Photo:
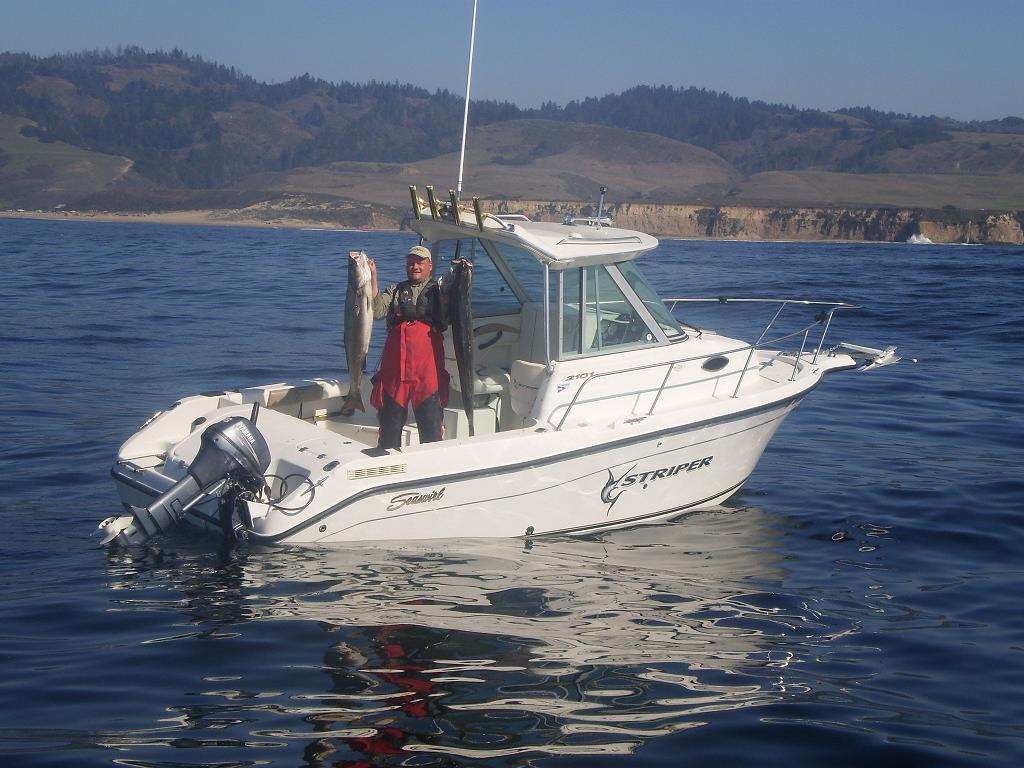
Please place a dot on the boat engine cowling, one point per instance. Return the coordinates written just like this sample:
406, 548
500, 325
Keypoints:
231, 451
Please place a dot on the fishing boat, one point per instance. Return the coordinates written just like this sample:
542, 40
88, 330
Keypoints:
595, 404
584, 402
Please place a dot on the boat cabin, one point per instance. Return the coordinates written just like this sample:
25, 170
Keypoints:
568, 333
545, 296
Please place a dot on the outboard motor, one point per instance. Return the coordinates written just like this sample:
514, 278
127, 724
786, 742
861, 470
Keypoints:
231, 451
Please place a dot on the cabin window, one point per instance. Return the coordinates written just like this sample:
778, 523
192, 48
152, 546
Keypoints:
650, 298
492, 292
607, 321
526, 274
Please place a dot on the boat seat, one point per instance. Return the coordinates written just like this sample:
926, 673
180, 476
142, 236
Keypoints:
294, 395
519, 349
531, 332
527, 378
528, 367
300, 400
488, 382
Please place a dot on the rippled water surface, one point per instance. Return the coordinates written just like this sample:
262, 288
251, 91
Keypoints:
858, 603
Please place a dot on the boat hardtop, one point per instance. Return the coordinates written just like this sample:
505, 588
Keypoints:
562, 246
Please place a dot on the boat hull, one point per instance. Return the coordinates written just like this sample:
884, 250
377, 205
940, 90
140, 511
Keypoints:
642, 480
612, 478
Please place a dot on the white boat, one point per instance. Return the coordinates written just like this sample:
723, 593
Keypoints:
594, 407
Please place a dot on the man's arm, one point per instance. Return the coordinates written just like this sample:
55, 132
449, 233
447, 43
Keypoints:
372, 264
382, 301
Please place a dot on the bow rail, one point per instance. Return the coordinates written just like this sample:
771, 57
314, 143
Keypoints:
875, 357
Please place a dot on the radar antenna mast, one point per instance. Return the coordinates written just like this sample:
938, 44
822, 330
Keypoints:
465, 114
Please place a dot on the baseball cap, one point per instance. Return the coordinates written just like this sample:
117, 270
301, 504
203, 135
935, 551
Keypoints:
420, 252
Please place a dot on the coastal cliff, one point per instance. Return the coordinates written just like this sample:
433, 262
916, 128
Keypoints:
881, 224
765, 223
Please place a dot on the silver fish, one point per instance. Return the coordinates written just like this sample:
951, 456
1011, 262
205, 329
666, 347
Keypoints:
358, 328
461, 315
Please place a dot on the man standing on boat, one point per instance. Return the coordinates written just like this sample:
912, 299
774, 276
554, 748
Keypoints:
412, 368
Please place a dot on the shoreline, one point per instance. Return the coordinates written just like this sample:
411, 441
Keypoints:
216, 218
203, 218
667, 222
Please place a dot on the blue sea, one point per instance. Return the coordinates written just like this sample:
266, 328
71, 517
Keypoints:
858, 603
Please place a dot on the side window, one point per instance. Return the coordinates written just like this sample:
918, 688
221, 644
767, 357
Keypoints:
491, 292
607, 320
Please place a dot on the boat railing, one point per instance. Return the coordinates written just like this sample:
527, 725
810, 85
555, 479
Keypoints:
822, 319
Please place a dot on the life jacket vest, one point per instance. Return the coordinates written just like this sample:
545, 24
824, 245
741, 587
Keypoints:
427, 306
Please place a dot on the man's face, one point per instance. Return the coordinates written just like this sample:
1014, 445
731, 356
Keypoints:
418, 270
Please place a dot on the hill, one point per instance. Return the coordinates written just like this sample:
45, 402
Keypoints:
169, 130
535, 159
34, 173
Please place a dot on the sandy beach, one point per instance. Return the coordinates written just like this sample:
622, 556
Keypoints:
206, 218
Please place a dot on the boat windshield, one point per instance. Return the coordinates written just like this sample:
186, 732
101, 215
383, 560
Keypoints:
500, 283
649, 297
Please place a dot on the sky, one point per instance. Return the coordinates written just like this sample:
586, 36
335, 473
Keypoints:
944, 57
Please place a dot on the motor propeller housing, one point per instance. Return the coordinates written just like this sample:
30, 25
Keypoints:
230, 450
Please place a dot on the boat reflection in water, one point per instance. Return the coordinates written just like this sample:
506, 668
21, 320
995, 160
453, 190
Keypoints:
485, 649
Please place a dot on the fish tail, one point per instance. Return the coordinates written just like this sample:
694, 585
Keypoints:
352, 401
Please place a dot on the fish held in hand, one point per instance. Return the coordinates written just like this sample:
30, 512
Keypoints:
461, 315
358, 328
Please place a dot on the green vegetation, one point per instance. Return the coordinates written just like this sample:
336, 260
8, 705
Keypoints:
902, 135
68, 172
186, 122
22, 150
72, 125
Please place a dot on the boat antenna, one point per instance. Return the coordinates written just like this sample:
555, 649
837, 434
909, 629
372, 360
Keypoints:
465, 114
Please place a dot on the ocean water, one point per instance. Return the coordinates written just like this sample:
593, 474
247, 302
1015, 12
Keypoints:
858, 603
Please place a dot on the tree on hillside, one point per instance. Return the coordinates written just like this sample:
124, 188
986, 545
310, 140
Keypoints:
167, 112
